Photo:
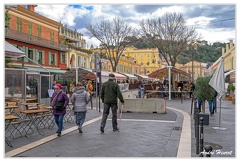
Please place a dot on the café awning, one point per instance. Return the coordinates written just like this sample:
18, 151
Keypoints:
11, 51
164, 71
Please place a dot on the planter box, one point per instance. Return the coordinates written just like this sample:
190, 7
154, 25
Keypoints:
206, 118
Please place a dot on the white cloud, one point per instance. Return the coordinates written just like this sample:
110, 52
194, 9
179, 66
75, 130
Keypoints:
214, 35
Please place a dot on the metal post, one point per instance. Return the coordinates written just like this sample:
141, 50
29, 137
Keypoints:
100, 83
76, 76
201, 137
95, 59
197, 130
208, 149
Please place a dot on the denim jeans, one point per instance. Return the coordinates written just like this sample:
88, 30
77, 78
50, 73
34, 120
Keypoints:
212, 105
80, 118
199, 104
59, 122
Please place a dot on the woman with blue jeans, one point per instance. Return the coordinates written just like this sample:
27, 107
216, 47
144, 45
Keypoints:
59, 96
80, 98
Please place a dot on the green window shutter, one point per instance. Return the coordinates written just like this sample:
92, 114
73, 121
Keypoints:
37, 56
49, 58
43, 60
61, 58
55, 57
26, 53
34, 55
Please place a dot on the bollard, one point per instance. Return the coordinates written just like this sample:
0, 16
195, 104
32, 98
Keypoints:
201, 137
197, 131
208, 149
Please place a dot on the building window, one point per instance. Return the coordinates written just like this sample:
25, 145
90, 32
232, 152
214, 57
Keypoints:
79, 60
30, 28
19, 24
26, 7
63, 58
40, 57
30, 53
85, 63
52, 58
51, 35
39, 31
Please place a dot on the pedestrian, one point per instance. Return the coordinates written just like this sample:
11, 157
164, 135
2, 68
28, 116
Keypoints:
199, 104
71, 88
89, 89
109, 94
212, 104
59, 102
54, 82
80, 99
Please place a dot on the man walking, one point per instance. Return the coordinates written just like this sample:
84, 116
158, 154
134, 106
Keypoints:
109, 94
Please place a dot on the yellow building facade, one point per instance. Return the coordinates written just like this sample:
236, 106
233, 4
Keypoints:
229, 57
147, 58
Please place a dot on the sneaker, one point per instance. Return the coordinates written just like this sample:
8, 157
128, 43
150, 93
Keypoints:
102, 129
114, 130
59, 134
80, 130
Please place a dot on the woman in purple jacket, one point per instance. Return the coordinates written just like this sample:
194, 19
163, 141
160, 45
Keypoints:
59, 96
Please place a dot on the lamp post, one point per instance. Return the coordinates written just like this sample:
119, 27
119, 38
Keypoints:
169, 81
195, 49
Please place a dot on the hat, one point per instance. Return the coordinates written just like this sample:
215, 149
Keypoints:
58, 85
111, 75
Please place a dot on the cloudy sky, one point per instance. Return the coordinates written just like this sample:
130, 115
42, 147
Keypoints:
214, 22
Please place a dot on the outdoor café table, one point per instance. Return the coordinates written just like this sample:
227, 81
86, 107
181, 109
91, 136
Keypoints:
11, 108
31, 99
8, 120
28, 105
34, 115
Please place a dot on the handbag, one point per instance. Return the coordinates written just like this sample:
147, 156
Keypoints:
59, 105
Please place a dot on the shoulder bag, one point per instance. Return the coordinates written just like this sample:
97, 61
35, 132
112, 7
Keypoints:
59, 104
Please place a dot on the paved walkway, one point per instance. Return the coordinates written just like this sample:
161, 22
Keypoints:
141, 135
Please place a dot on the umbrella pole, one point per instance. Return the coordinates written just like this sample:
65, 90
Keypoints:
220, 112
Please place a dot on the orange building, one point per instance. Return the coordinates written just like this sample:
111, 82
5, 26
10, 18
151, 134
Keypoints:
37, 36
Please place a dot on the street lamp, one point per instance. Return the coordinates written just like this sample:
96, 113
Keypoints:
195, 49
194, 45
169, 80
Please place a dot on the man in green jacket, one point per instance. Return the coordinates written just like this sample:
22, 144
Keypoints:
109, 94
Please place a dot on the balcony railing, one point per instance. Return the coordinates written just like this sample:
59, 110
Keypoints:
13, 34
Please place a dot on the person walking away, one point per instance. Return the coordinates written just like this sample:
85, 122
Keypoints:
59, 102
109, 94
89, 89
80, 99
212, 103
71, 88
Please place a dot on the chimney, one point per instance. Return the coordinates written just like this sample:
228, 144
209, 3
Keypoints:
227, 47
223, 51
231, 44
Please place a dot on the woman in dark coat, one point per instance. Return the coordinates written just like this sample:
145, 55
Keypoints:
59, 96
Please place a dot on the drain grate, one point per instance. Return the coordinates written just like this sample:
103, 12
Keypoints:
177, 128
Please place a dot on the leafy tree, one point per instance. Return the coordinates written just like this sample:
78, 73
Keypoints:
203, 90
114, 36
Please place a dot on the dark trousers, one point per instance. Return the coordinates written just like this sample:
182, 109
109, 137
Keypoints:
114, 108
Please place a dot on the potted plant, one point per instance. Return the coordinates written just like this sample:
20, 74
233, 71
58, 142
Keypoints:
204, 92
